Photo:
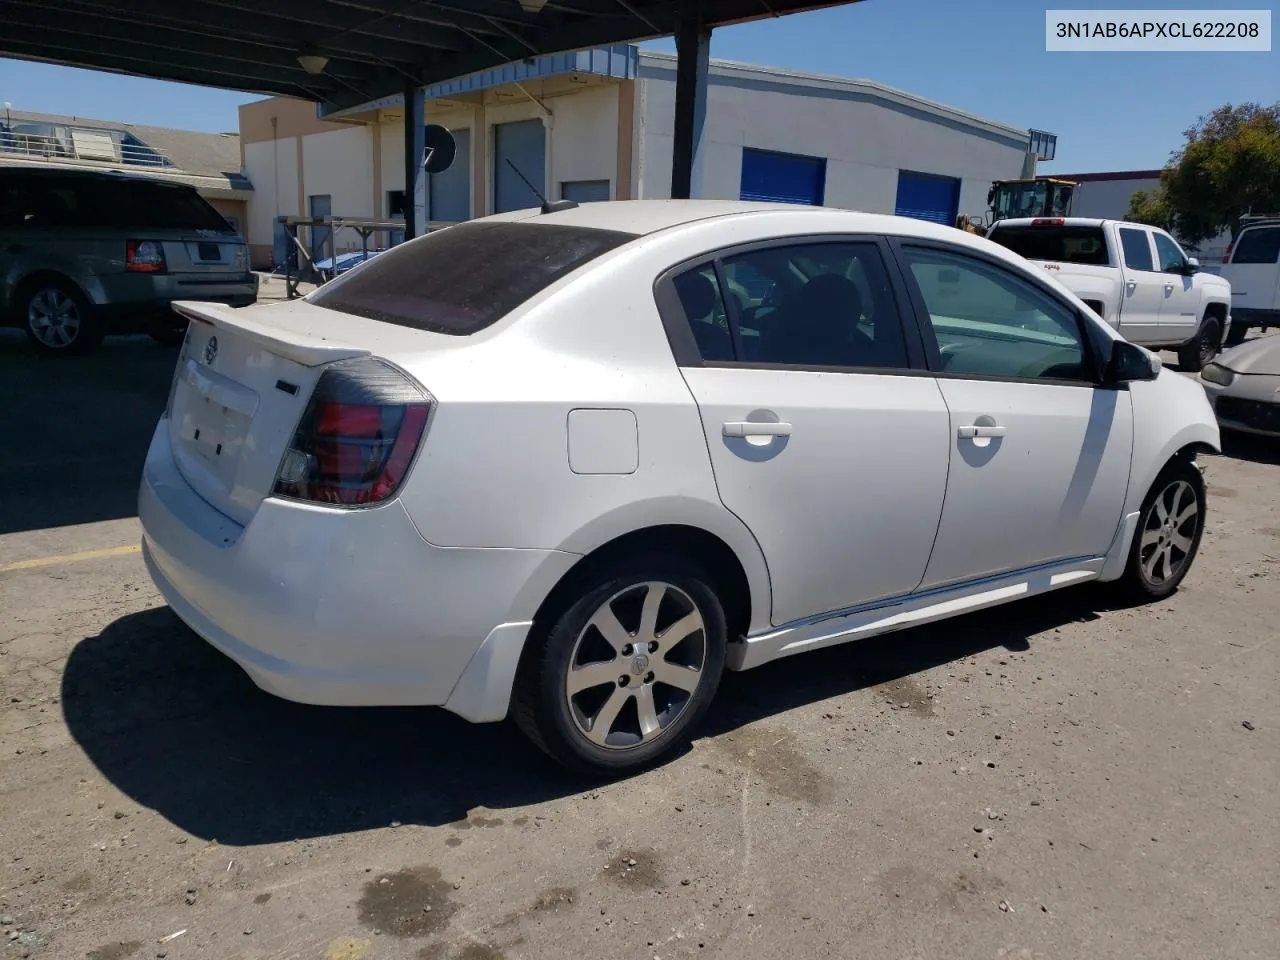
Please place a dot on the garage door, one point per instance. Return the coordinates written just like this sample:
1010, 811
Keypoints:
782, 177
451, 190
524, 144
927, 197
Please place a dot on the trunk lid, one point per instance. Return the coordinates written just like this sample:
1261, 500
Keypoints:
240, 388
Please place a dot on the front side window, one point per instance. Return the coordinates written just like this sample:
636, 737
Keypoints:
988, 322
1171, 258
1137, 250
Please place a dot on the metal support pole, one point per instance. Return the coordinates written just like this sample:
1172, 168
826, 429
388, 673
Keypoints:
415, 143
693, 56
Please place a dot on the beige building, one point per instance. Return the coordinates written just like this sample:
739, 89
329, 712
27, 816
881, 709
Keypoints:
599, 125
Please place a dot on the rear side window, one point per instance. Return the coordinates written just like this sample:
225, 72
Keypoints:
464, 278
1068, 244
1137, 249
158, 206
1258, 245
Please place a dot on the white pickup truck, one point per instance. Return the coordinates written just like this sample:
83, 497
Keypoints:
1133, 276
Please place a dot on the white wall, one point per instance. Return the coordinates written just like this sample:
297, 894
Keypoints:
340, 163
865, 138
272, 168
584, 138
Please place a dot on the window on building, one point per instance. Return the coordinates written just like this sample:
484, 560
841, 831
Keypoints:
584, 191
395, 203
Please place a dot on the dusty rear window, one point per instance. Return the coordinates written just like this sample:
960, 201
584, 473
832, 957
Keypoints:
1067, 244
463, 278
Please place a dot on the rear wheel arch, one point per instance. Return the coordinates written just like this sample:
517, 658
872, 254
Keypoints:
30, 282
707, 550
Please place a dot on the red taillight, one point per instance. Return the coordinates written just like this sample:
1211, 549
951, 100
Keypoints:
1226, 257
1048, 222
358, 436
144, 256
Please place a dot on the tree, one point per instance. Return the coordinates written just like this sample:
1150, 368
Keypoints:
1229, 166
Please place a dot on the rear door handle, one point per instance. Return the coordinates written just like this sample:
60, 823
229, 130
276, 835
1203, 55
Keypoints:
749, 428
973, 431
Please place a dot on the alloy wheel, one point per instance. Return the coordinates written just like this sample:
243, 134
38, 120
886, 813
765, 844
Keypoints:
1169, 533
636, 665
54, 318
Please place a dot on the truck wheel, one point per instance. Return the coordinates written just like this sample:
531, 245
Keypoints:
59, 318
1203, 347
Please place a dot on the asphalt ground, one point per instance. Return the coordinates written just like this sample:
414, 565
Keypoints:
1061, 778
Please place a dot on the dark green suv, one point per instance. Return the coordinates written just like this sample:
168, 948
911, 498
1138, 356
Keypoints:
87, 253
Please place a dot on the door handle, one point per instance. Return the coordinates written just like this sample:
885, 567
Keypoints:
1131, 284
974, 430
750, 428
1168, 288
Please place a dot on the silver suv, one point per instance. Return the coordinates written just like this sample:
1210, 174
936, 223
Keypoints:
86, 253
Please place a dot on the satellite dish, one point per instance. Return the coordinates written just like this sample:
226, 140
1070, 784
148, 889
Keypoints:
440, 149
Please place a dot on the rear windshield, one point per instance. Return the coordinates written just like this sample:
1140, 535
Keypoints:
463, 278
41, 201
159, 206
1258, 245
1067, 244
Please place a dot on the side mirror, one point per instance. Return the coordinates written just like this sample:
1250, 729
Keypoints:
1130, 362
1192, 267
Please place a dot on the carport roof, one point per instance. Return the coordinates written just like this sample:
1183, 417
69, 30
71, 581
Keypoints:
374, 47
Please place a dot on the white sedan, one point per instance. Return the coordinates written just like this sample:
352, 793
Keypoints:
570, 465
1244, 386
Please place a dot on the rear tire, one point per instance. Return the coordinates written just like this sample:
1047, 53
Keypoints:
58, 318
607, 688
1167, 538
1203, 347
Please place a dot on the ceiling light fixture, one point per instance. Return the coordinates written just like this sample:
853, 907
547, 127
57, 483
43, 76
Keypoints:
312, 60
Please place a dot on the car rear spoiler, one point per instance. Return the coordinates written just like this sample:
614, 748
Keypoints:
293, 344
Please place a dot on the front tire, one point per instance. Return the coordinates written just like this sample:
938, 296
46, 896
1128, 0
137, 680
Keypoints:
1167, 539
1203, 347
621, 676
59, 318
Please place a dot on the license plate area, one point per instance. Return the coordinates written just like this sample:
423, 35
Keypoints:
209, 252
215, 434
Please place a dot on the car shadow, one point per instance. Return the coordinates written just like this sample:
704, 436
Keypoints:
1251, 447
182, 730
76, 430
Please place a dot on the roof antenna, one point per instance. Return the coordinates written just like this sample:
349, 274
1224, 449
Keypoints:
547, 207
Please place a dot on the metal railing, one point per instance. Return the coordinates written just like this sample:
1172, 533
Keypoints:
57, 141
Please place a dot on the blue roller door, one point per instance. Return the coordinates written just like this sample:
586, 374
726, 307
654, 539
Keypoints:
927, 197
524, 144
782, 177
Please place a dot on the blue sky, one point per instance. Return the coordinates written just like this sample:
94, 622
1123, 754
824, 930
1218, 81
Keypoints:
1111, 111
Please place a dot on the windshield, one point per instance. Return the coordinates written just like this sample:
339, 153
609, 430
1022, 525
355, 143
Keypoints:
463, 278
1068, 244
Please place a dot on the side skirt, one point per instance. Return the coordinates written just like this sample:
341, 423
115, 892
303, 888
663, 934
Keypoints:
899, 613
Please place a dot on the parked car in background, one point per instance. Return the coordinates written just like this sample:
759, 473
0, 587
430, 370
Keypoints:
1135, 277
1244, 386
1252, 267
88, 253
570, 465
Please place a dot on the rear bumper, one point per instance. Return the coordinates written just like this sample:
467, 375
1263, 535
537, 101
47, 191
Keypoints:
343, 608
129, 301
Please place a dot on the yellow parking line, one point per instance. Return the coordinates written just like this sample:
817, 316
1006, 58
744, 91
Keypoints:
72, 558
